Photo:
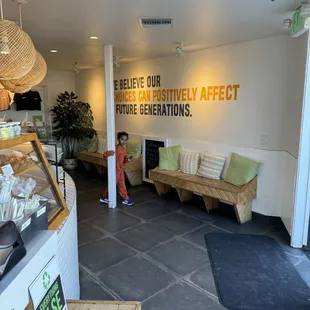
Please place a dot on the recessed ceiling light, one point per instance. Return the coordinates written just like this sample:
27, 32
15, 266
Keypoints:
53, 51
93, 38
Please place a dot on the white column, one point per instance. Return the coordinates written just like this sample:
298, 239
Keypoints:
300, 219
110, 112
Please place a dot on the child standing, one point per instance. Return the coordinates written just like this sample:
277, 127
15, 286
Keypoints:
121, 160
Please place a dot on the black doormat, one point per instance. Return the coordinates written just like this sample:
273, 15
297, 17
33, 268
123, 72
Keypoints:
253, 273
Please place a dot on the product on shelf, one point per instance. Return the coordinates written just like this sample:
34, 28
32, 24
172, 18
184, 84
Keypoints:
17, 160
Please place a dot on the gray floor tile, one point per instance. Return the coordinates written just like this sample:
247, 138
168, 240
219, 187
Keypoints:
83, 274
179, 256
114, 221
89, 210
136, 279
197, 236
283, 239
182, 296
257, 225
154, 208
144, 236
146, 194
92, 195
203, 278
92, 290
102, 254
178, 223
87, 233
303, 267
199, 211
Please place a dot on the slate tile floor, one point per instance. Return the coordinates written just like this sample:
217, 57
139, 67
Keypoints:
154, 252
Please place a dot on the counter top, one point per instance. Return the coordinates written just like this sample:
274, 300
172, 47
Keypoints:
39, 252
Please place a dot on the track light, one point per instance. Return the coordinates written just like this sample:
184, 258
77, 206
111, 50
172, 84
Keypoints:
179, 50
116, 61
76, 68
287, 24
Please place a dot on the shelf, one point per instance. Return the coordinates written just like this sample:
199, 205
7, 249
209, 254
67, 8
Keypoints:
21, 171
42, 189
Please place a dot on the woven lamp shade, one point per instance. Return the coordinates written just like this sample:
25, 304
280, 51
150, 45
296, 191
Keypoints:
17, 52
32, 78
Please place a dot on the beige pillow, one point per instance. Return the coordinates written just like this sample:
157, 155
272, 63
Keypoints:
101, 145
189, 162
211, 166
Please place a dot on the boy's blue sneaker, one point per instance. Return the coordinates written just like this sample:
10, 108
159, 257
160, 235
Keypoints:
127, 202
104, 200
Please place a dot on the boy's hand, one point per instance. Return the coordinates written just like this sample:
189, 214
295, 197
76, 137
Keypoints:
108, 154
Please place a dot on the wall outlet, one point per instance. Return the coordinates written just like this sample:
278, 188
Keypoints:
263, 140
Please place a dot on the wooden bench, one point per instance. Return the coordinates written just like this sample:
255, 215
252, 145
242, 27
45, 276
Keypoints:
133, 169
211, 190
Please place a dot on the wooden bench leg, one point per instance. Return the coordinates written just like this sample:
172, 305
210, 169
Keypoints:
162, 188
87, 166
101, 169
210, 203
243, 212
184, 195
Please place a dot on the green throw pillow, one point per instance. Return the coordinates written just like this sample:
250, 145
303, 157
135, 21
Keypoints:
169, 157
93, 145
134, 148
241, 170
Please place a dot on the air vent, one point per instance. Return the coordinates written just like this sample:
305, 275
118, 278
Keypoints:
150, 22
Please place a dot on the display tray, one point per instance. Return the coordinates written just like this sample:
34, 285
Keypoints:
34, 222
31, 162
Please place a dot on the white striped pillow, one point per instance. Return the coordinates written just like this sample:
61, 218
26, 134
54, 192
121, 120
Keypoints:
101, 145
211, 166
189, 162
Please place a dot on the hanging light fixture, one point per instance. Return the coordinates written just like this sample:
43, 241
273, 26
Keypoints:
32, 78
17, 52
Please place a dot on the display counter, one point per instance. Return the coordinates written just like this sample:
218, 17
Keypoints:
61, 238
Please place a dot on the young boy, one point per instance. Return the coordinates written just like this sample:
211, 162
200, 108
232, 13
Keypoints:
121, 160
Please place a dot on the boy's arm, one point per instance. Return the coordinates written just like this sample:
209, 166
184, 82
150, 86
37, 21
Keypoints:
107, 154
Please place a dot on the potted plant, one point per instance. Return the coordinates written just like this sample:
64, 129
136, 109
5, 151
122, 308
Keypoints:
72, 122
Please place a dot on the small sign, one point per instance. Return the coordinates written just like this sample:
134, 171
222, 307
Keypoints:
26, 224
46, 291
7, 170
40, 212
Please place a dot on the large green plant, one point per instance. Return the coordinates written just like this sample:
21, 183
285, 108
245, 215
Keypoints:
72, 122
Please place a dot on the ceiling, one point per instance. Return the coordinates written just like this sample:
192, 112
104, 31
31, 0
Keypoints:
66, 25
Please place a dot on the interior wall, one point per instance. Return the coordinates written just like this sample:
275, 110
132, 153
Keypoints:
90, 88
55, 82
254, 120
263, 122
297, 55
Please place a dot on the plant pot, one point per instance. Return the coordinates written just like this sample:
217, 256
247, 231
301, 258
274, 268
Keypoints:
70, 164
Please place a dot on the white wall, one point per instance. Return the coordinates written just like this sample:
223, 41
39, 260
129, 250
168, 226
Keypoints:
260, 67
55, 82
90, 88
297, 53
263, 123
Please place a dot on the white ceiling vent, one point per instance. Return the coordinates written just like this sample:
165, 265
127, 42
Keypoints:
153, 22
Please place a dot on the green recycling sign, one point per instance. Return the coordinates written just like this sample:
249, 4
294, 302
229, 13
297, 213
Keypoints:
46, 291
46, 279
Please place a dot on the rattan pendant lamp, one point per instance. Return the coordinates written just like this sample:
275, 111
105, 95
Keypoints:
32, 78
17, 52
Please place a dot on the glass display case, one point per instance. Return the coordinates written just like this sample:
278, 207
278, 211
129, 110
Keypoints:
27, 159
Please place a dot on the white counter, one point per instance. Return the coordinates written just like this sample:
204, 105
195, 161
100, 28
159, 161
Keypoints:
67, 249
62, 243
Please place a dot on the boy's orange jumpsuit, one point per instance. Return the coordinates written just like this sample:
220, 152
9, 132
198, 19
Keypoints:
121, 160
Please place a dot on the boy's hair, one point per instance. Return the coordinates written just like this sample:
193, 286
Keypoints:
122, 133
